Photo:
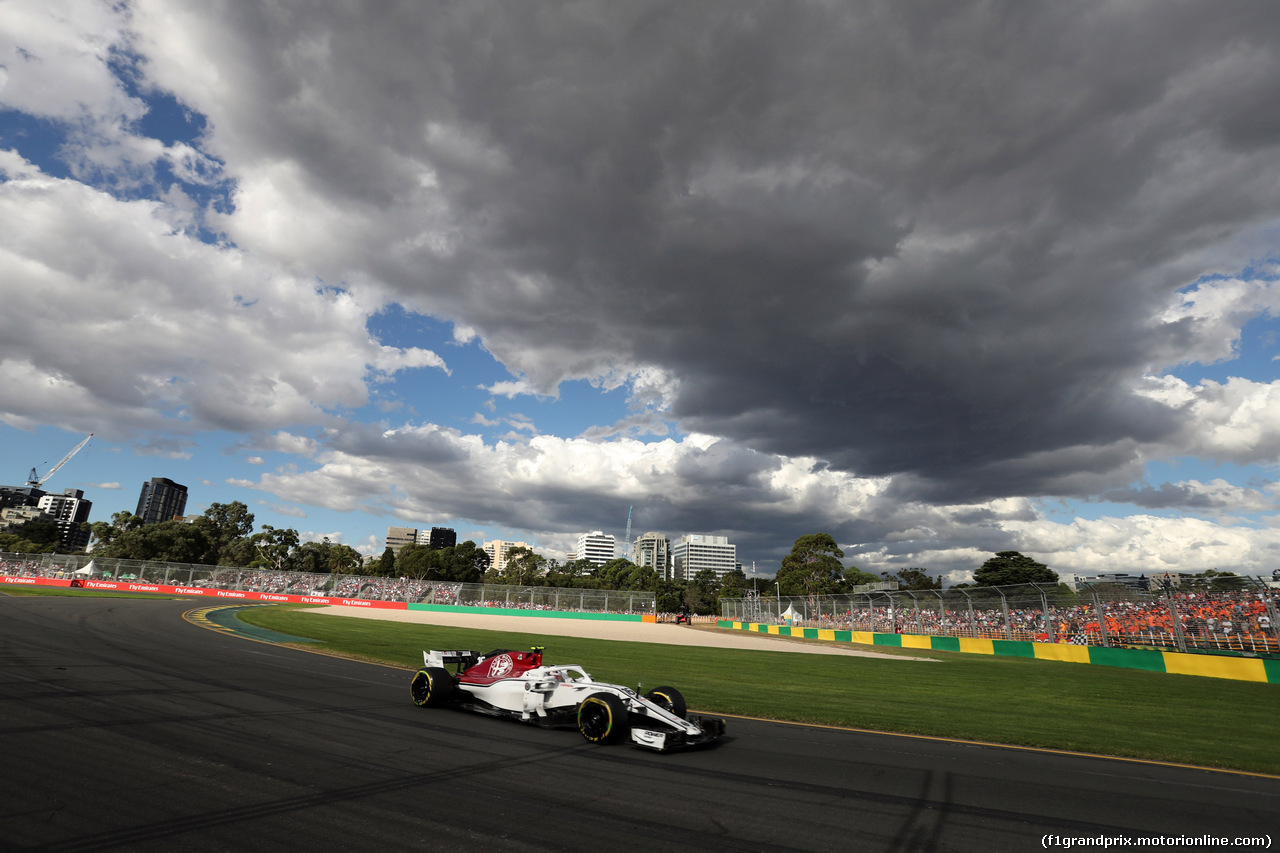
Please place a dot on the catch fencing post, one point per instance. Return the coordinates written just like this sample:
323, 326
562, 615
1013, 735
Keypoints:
1045, 614
1004, 605
1102, 619
1176, 618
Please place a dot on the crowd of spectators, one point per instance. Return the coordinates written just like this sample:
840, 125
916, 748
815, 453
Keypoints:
1235, 620
360, 587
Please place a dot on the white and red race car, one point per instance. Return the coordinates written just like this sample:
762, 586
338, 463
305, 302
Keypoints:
506, 683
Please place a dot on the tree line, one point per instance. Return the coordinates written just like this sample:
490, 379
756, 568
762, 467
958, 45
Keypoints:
526, 567
224, 536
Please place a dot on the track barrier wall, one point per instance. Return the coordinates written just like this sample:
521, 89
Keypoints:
266, 585
1213, 666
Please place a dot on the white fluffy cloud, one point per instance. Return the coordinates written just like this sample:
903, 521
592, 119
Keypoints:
119, 321
1237, 421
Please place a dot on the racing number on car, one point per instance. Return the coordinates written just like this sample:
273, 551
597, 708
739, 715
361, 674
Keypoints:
500, 666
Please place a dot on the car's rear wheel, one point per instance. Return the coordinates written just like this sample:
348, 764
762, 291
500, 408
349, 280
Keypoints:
431, 687
670, 699
602, 718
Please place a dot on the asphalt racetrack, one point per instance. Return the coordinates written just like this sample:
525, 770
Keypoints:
122, 726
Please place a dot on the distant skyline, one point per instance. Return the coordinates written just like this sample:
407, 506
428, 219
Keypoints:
938, 282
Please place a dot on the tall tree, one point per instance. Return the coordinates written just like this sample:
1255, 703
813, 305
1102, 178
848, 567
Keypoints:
227, 526
104, 533
702, 593
854, 576
274, 546
913, 579
344, 559
524, 567
669, 596
466, 562
415, 561
734, 584
1010, 567
31, 537
168, 541
813, 567
615, 573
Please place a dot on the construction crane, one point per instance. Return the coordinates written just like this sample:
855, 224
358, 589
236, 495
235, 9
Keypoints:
36, 481
627, 540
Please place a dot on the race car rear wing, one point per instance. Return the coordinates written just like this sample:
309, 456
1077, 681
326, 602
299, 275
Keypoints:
435, 658
461, 659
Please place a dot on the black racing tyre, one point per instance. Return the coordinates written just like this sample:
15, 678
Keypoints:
602, 718
669, 698
431, 687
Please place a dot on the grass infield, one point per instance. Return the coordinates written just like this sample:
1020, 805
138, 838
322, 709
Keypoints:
1158, 716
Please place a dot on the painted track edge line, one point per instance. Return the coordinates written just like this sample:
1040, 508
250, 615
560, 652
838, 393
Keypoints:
1039, 749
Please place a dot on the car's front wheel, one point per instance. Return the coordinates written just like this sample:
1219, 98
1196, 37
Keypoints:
602, 718
670, 699
431, 687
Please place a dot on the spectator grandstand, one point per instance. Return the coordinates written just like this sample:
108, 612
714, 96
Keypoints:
351, 587
1240, 620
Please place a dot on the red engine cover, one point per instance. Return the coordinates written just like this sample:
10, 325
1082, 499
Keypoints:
500, 665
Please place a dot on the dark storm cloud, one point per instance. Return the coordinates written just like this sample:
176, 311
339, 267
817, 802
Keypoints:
930, 242
1192, 497
436, 447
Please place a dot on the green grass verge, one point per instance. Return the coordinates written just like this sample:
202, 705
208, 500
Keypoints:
1178, 718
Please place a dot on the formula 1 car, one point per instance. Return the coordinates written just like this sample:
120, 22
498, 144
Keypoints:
505, 683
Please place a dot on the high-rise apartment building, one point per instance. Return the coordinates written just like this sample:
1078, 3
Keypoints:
597, 546
653, 550
161, 500
69, 511
695, 552
499, 550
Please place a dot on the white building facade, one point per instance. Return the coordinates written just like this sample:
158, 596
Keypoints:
597, 546
695, 552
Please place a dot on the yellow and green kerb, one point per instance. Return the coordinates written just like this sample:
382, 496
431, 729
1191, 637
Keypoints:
1213, 666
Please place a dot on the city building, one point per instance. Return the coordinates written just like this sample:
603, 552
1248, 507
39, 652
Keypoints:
695, 552
398, 537
653, 550
1132, 581
12, 516
441, 537
435, 538
161, 499
499, 550
69, 511
20, 496
597, 546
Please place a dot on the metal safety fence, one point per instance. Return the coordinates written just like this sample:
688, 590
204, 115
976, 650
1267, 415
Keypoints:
356, 587
1224, 614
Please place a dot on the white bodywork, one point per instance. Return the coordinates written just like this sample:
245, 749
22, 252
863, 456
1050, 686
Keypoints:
538, 692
